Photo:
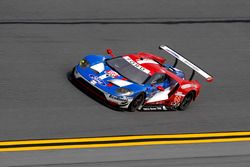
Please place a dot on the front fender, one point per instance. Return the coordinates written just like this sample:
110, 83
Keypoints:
95, 59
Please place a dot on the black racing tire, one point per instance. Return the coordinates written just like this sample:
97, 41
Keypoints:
136, 103
186, 101
70, 75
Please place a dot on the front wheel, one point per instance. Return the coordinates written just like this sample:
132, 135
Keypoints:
186, 101
136, 103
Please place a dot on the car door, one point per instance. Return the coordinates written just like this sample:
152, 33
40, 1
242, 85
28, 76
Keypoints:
157, 81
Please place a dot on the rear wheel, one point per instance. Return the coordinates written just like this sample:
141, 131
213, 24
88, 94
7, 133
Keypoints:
186, 101
136, 103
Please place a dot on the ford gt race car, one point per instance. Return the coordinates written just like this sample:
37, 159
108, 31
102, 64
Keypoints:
138, 82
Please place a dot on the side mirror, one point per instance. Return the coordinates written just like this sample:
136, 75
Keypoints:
160, 88
110, 52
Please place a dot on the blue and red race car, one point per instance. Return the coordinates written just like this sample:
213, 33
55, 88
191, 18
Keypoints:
138, 82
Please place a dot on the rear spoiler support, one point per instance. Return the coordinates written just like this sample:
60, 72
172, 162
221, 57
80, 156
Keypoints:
192, 75
193, 71
177, 56
176, 62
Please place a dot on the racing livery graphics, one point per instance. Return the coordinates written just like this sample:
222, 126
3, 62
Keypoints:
138, 82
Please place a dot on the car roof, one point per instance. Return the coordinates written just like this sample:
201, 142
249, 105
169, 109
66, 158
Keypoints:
148, 63
145, 60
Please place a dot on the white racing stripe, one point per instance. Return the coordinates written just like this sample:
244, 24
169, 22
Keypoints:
159, 96
120, 82
150, 61
98, 67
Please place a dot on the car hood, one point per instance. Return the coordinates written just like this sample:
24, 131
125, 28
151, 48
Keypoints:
107, 75
103, 77
120, 82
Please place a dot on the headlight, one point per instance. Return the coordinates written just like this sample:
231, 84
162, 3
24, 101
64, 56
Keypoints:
84, 63
124, 91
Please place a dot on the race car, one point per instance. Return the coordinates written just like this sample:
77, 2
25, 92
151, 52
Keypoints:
138, 82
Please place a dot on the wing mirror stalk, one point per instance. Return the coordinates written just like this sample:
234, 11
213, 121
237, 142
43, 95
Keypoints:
110, 52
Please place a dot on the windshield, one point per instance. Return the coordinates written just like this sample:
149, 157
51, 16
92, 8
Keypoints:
129, 71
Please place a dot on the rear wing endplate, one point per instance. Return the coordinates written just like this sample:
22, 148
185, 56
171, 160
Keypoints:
177, 56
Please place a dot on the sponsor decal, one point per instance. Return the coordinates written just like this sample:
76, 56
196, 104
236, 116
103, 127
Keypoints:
95, 80
112, 73
177, 99
118, 98
155, 108
103, 76
132, 62
176, 102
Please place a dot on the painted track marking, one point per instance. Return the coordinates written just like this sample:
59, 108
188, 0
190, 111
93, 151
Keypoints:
123, 141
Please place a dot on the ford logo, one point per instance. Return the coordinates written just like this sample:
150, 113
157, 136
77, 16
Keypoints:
98, 80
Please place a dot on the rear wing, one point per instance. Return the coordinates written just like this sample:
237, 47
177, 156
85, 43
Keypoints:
177, 56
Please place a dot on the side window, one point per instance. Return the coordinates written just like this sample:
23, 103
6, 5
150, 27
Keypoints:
157, 78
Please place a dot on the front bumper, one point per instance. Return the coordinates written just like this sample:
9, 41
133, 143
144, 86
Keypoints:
99, 94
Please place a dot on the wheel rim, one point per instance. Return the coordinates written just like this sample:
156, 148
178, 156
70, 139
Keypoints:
137, 102
187, 100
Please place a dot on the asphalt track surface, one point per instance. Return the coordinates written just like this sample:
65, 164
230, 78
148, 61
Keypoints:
37, 49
